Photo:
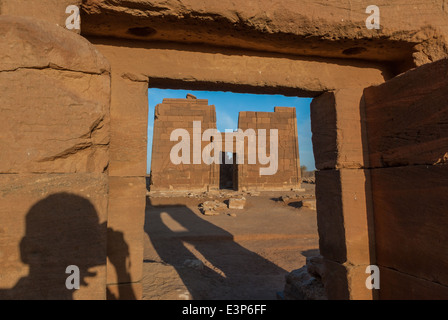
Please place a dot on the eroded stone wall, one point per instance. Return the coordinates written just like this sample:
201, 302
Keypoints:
342, 193
175, 114
54, 141
407, 126
287, 176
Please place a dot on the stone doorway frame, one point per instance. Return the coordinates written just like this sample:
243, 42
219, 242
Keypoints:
343, 190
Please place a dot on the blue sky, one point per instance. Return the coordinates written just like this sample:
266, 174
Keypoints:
229, 104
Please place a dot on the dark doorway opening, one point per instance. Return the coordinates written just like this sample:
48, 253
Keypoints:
228, 171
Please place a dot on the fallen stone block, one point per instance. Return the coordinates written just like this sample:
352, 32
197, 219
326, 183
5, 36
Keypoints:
300, 285
212, 208
237, 203
310, 204
290, 198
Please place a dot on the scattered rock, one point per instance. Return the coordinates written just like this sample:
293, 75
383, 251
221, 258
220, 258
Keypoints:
299, 201
237, 203
309, 180
315, 266
306, 283
310, 204
211, 213
232, 215
289, 198
212, 208
300, 285
194, 264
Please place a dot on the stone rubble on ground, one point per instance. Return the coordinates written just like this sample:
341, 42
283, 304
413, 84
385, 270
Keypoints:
288, 198
237, 203
310, 204
212, 208
309, 180
305, 201
306, 283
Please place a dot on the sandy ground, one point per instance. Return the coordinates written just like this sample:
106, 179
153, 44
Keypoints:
191, 256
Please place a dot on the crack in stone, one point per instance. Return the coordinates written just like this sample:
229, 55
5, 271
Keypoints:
54, 67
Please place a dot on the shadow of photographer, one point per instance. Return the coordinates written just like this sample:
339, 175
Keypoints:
64, 230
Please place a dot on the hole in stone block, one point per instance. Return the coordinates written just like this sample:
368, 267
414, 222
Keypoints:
142, 31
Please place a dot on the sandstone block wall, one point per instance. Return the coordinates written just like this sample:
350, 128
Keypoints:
342, 192
54, 142
407, 126
175, 114
127, 189
288, 174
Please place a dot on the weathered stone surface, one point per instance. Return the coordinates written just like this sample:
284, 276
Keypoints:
331, 28
60, 125
396, 285
175, 114
31, 43
410, 220
232, 70
407, 118
126, 218
346, 282
54, 121
55, 111
337, 132
50, 222
129, 133
342, 215
406, 121
288, 174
